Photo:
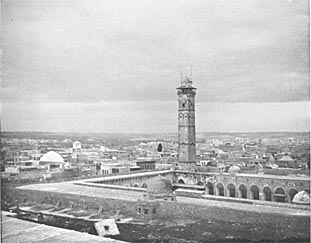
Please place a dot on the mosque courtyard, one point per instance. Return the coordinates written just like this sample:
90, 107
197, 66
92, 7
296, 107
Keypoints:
221, 221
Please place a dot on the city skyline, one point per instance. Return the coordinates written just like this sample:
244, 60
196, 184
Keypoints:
102, 67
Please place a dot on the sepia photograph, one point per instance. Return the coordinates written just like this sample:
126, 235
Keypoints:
155, 121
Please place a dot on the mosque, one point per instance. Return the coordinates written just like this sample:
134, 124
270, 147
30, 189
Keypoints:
180, 194
186, 181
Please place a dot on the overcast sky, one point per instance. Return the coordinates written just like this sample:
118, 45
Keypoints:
113, 66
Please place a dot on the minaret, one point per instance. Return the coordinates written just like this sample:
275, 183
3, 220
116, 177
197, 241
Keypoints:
186, 124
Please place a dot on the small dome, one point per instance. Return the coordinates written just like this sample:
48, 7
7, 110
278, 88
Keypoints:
302, 197
233, 169
160, 186
52, 157
286, 158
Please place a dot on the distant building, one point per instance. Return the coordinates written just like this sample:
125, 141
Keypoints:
36, 157
208, 155
25, 172
18, 159
76, 147
228, 147
81, 158
164, 166
52, 161
273, 149
114, 168
146, 163
117, 154
287, 162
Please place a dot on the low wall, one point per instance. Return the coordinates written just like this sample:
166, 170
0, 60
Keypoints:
132, 180
192, 218
168, 210
257, 202
127, 208
118, 187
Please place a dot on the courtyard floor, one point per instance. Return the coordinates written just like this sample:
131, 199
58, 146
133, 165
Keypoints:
70, 188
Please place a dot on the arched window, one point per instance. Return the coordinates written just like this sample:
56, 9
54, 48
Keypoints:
231, 189
268, 194
279, 195
292, 192
243, 191
181, 181
210, 188
220, 190
255, 192
144, 185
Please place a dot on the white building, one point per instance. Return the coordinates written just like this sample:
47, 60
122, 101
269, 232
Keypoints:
76, 146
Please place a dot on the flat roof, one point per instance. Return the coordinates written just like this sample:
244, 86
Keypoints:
17, 230
287, 177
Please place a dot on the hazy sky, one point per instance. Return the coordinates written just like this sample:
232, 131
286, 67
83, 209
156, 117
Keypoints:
113, 66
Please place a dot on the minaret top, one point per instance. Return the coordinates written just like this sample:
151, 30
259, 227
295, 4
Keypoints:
186, 83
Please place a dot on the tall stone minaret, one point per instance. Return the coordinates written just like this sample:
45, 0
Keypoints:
186, 124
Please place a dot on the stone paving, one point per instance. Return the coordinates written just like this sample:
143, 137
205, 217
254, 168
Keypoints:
16, 230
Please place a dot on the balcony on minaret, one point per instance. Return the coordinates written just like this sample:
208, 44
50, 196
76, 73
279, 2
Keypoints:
186, 87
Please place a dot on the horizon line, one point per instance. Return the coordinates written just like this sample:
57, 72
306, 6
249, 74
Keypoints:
149, 133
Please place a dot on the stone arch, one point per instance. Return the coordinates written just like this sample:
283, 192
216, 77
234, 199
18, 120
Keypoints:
292, 192
210, 188
231, 190
243, 191
220, 189
254, 192
144, 185
279, 195
181, 181
267, 193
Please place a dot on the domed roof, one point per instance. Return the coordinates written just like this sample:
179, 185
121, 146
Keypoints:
52, 157
160, 185
233, 169
286, 158
302, 197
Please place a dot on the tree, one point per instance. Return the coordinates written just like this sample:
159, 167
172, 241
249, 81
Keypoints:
159, 148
